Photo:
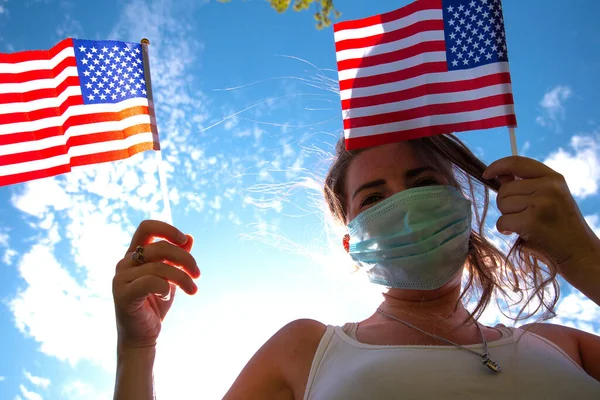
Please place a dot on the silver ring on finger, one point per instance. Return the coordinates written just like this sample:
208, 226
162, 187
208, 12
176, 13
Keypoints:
138, 256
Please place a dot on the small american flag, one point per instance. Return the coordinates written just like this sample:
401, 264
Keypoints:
431, 67
81, 102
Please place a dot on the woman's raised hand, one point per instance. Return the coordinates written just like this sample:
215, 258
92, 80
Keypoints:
146, 278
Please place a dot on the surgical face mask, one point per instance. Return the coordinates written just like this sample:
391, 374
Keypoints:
417, 239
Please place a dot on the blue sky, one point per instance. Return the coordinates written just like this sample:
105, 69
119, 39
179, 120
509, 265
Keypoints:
242, 185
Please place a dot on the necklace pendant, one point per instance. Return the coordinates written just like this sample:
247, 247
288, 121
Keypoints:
491, 364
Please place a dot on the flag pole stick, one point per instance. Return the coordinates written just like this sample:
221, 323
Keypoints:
162, 177
513, 140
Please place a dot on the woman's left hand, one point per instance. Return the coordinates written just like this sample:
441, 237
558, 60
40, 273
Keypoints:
536, 204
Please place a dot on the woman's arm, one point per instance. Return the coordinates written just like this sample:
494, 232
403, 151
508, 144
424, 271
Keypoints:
536, 203
134, 379
583, 272
143, 289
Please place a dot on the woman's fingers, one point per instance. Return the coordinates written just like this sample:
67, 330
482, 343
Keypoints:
519, 187
149, 230
189, 244
146, 285
513, 204
163, 251
166, 252
162, 271
511, 223
169, 264
171, 293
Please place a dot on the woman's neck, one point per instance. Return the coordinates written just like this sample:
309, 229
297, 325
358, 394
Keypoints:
440, 308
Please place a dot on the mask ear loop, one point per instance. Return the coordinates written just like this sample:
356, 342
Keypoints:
346, 242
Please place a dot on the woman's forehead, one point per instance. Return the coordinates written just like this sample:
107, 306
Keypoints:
394, 158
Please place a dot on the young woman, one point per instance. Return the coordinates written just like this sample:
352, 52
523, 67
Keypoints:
415, 224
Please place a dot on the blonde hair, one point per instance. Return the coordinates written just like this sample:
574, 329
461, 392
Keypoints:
491, 272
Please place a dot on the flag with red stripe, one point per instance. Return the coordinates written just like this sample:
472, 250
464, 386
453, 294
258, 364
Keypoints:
81, 102
431, 67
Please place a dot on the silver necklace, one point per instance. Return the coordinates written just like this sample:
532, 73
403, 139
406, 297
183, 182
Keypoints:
485, 357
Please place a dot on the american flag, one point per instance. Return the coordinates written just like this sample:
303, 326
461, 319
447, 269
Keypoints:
431, 67
81, 102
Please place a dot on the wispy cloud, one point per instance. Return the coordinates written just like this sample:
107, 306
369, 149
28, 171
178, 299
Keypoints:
53, 288
9, 253
525, 148
230, 123
37, 380
78, 389
580, 165
553, 107
577, 311
29, 395
56, 198
69, 27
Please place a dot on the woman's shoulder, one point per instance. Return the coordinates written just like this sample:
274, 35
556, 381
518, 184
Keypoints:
305, 323
564, 337
302, 330
300, 338
298, 342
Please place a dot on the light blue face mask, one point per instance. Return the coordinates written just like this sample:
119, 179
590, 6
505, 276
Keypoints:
416, 239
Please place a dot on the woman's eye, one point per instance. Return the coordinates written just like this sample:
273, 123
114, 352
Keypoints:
373, 198
426, 182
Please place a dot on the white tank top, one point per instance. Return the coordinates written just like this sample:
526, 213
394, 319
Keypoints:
532, 368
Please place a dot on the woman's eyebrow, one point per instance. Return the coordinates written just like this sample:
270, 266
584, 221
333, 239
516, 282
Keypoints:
368, 185
411, 173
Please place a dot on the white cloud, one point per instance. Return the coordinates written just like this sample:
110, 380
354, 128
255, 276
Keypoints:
242, 133
594, 222
69, 27
230, 123
50, 287
579, 165
29, 395
2, 378
526, 147
553, 109
39, 196
78, 389
257, 133
234, 218
9, 255
37, 381
216, 203
577, 311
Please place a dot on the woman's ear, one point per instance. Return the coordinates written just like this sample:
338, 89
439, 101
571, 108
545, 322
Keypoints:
346, 242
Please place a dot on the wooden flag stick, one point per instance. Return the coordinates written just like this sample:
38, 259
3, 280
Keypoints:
162, 177
513, 141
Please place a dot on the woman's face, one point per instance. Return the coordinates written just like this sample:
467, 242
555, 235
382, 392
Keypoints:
380, 172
